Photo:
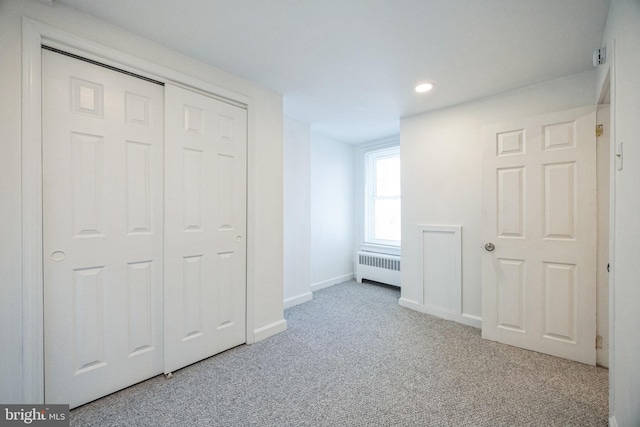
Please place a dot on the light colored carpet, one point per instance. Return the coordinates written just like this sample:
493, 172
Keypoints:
354, 357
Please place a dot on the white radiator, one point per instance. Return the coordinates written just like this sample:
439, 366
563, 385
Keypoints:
378, 268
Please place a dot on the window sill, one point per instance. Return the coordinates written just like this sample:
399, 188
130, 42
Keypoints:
380, 249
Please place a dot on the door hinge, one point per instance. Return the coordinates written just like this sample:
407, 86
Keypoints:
599, 130
598, 341
619, 157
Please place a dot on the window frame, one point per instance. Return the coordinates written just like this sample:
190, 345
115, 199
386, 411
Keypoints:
370, 180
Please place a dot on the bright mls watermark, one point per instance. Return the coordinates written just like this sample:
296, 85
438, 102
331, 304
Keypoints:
34, 415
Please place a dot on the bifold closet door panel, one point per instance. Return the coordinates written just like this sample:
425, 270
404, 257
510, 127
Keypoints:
103, 229
205, 227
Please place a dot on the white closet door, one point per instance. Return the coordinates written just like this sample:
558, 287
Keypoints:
102, 206
205, 223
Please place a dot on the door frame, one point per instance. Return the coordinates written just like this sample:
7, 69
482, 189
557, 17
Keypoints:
34, 34
608, 83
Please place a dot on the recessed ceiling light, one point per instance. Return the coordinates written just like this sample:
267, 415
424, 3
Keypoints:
424, 87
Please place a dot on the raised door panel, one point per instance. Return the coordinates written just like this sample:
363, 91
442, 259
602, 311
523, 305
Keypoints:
560, 302
192, 177
192, 284
510, 143
138, 187
560, 200
511, 202
87, 180
511, 304
140, 308
88, 319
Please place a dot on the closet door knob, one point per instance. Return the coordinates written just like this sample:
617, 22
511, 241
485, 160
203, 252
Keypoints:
58, 256
489, 247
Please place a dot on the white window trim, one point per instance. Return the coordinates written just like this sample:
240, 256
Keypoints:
360, 195
370, 190
380, 249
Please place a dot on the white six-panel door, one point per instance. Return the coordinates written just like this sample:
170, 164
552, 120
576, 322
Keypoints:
205, 226
103, 216
539, 212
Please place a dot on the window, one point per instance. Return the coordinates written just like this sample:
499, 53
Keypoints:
382, 197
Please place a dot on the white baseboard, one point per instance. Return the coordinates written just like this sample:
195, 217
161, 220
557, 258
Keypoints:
290, 302
269, 330
334, 281
613, 422
465, 319
475, 321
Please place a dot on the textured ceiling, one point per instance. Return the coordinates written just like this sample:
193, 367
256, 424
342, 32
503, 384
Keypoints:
348, 67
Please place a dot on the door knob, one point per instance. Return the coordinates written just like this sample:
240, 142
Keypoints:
489, 247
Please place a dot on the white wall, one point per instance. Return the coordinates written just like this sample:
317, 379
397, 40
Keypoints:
441, 155
265, 204
622, 39
331, 212
297, 212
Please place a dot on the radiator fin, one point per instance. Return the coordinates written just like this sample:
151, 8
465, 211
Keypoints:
376, 261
